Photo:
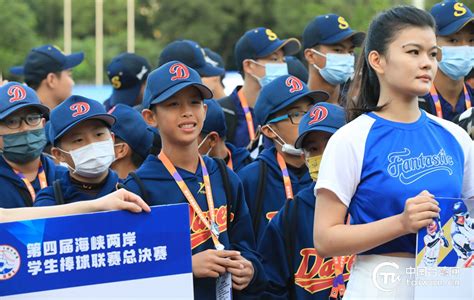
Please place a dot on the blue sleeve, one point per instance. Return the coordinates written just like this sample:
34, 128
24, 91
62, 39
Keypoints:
45, 197
249, 184
131, 185
274, 259
242, 238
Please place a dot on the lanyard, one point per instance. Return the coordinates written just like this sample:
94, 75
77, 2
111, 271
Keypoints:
230, 164
248, 114
214, 228
435, 96
338, 287
286, 176
41, 177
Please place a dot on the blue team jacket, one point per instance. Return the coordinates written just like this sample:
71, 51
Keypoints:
240, 156
448, 112
274, 193
162, 189
72, 194
313, 275
10, 183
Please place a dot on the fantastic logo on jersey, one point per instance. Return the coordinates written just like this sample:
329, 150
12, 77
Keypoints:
294, 84
409, 168
316, 274
16, 93
318, 114
199, 232
80, 108
459, 9
9, 262
180, 71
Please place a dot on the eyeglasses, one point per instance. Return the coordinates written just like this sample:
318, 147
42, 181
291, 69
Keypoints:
33, 119
295, 117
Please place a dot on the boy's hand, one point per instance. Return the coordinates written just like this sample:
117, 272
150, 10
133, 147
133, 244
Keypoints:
243, 274
213, 263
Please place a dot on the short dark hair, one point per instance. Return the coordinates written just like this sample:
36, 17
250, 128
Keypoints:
136, 159
35, 83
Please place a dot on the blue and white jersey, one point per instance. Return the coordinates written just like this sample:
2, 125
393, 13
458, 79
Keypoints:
374, 165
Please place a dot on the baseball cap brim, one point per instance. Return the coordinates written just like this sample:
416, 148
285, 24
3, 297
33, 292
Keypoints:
314, 96
205, 91
356, 37
209, 71
455, 26
289, 46
73, 60
43, 109
109, 119
300, 139
17, 70
125, 96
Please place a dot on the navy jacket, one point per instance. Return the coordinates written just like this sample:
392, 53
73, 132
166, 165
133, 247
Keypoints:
240, 156
313, 275
447, 109
162, 189
274, 193
13, 189
72, 194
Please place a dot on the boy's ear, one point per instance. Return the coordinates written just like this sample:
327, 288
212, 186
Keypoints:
149, 117
268, 132
51, 80
213, 138
121, 150
58, 155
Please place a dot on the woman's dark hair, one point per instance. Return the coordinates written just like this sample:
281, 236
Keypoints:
365, 89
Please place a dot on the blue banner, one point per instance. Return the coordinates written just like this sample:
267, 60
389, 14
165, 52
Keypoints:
90, 249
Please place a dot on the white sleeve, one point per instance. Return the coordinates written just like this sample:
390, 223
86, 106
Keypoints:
341, 165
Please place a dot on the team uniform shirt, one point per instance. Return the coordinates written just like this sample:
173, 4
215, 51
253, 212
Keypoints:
237, 235
14, 189
313, 275
274, 195
462, 237
240, 157
447, 109
374, 165
72, 193
433, 243
241, 137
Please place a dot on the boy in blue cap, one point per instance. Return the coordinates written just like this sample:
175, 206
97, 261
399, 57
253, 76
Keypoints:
294, 269
80, 134
212, 139
259, 55
449, 94
174, 104
24, 171
329, 43
215, 83
127, 73
47, 70
279, 172
133, 140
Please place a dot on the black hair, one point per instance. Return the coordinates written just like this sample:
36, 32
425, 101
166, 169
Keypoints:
136, 159
382, 31
35, 83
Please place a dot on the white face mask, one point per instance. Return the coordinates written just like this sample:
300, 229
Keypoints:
92, 160
202, 143
285, 147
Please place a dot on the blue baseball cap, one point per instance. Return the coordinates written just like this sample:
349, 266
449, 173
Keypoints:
296, 68
282, 92
215, 119
329, 29
71, 112
127, 72
323, 116
451, 16
44, 60
261, 42
169, 79
190, 53
131, 128
14, 96
214, 58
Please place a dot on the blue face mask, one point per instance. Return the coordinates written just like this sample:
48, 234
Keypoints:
272, 71
457, 61
339, 67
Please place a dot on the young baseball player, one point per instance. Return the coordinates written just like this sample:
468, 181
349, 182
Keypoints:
462, 233
293, 267
329, 44
279, 172
215, 83
81, 138
433, 240
133, 140
386, 166
24, 171
212, 139
48, 71
259, 57
450, 95
221, 231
